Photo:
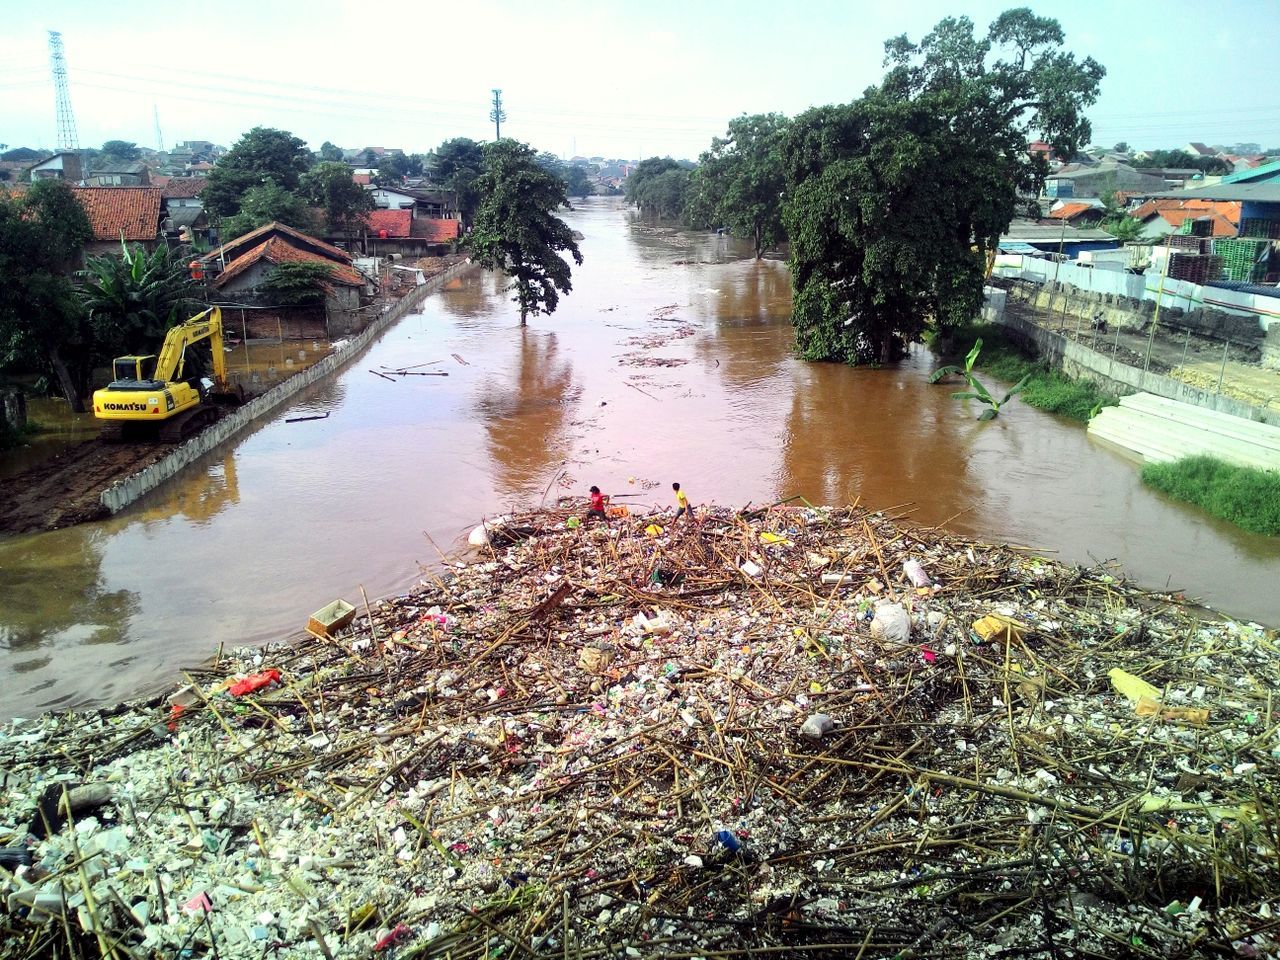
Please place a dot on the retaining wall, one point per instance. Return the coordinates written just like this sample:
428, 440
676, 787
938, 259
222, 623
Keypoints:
124, 492
1085, 363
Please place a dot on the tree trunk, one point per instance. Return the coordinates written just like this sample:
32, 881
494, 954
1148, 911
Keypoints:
759, 247
66, 381
524, 317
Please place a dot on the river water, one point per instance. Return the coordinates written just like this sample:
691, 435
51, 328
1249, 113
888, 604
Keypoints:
671, 360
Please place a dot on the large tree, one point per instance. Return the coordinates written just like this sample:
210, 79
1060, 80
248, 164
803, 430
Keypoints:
263, 155
894, 200
739, 182
330, 152
1181, 160
330, 187
516, 229
42, 236
577, 181
266, 203
455, 165
133, 299
120, 151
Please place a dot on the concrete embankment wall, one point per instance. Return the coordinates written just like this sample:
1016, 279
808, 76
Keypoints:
124, 492
1085, 363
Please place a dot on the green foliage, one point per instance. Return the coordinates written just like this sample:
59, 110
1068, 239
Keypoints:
330, 152
261, 205
1046, 388
1245, 496
659, 185
1180, 159
133, 299
893, 199
577, 181
330, 187
23, 153
42, 326
455, 165
976, 389
120, 151
739, 182
262, 156
516, 229
1125, 229
393, 168
295, 283
11, 437
1121, 147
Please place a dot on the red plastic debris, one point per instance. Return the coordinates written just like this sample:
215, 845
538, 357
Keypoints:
175, 714
254, 682
400, 934
928, 655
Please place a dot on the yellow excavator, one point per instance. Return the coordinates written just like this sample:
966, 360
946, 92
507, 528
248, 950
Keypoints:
158, 397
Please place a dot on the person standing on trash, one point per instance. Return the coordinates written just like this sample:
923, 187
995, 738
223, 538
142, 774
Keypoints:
596, 509
682, 503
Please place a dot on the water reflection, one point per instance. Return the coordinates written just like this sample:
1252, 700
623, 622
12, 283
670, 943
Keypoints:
525, 411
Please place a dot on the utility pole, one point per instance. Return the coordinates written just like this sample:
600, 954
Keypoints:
159, 136
497, 114
67, 139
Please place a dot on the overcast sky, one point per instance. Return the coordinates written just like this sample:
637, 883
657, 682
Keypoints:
611, 79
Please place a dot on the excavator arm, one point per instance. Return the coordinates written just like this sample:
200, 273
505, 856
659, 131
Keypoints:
203, 326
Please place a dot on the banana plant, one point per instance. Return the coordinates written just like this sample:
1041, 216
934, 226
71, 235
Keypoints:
976, 390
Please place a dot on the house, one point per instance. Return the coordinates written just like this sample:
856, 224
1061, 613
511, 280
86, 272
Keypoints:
132, 214
240, 270
398, 231
363, 179
184, 191
1075, 181
1041, 148
201, 169
1044, 239
63, 165
1163, 216
1258, 173
426, 202
1200, 150
125, 174
1078, 213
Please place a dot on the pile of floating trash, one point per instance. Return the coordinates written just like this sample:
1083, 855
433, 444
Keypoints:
787, 731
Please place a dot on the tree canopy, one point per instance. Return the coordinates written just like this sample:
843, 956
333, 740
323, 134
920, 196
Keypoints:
516, 229
120, 151
455, 165
659, 185
261, 205
1181, 160
42, 326
894, 199
739, 182
577, 181
263, 155
330, 152
330, 187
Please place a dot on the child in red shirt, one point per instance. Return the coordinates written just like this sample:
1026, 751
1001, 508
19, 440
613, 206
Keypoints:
597, 504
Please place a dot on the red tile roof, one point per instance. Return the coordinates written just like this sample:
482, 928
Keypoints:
434, 231
1069, 211
278, 250
112, 211
396, 222
363, 179
1227, 209
234, 248
181, 188
1222, 227
159, 180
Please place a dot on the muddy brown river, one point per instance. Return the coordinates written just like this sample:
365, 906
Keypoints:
671, 360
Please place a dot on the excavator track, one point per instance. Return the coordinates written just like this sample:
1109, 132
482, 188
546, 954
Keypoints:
186, 425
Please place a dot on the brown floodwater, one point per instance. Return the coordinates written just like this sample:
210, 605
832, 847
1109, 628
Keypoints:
671, 360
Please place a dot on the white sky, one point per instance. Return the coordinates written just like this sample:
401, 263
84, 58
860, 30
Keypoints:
616, 79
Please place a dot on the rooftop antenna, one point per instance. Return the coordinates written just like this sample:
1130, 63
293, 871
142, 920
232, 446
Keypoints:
497, 114
159, 136
67, 139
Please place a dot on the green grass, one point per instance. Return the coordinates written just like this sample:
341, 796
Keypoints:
1048, 389
1245, 496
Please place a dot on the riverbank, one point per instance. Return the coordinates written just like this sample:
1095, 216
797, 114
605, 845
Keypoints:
765, 733
92, 478
1245, 496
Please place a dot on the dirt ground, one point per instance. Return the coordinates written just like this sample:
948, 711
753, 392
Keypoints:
64, 489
